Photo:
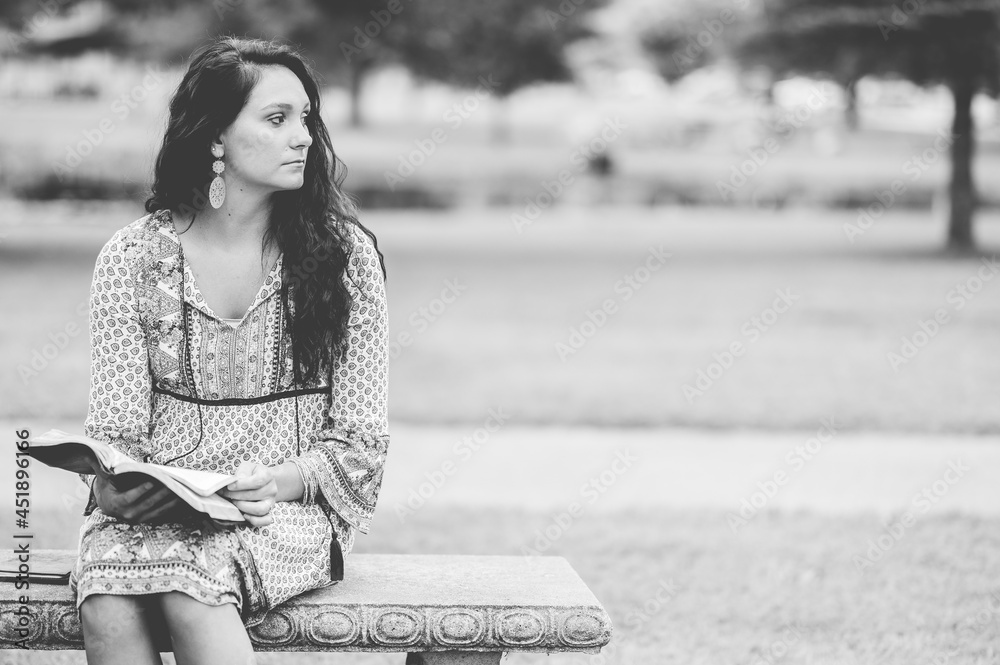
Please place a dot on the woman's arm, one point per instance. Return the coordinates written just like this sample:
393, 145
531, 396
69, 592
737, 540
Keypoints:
345, 460
119, 410
290, 482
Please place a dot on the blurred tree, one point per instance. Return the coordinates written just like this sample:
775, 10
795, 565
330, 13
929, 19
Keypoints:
56, 29
462, 42
346, 39
822, 55
681, 37
155, 30
950, 42
502, 45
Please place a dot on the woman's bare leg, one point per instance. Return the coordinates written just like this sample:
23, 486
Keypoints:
206, 634
115, 631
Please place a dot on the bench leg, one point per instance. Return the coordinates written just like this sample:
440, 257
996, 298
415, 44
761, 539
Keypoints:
455, 658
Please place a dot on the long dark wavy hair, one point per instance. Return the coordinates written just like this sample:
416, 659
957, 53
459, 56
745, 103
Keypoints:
310, 225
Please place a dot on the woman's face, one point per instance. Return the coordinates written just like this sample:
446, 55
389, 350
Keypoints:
268, 135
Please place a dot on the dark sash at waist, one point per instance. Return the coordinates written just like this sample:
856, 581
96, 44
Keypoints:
240, 401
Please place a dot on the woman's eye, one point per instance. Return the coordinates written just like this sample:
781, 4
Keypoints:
305, 117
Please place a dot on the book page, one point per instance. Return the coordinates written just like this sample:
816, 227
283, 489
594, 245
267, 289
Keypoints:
213, 505
199, 481
62, 449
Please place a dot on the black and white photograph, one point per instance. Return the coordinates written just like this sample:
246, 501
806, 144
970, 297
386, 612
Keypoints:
468, 332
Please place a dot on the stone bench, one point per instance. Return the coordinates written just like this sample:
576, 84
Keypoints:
436, 608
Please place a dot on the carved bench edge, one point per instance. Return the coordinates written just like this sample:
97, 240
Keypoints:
307, 627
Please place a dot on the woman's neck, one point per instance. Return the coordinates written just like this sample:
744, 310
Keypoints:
241, 220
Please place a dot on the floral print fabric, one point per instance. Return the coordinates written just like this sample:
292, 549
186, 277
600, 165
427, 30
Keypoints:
173, 383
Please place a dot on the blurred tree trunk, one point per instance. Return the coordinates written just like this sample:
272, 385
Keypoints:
500, 129
962, 188
851, 117
769, 92
357, 77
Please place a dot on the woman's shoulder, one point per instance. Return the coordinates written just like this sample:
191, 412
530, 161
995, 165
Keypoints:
362, 252
357, 239
347, 228
141, 238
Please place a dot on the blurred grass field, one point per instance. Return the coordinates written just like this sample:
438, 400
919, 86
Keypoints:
681, 587
731, 599
495, 347
522, 295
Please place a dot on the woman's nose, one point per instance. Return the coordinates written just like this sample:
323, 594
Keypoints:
304, 138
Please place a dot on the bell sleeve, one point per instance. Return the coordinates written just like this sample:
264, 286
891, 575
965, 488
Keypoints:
344, 462
119, 409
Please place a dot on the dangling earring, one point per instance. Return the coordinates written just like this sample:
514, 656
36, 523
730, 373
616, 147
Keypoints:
217, 192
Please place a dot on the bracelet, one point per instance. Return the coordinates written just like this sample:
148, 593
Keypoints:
309, 491
311, 487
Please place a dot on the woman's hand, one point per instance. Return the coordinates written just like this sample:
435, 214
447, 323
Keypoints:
254, 493
147, 502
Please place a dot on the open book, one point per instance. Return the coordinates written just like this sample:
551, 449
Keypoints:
86, 455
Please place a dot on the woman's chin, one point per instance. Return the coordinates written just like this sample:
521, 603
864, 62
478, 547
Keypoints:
289, 183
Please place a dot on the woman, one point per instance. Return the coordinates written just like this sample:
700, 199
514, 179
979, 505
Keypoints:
245, 337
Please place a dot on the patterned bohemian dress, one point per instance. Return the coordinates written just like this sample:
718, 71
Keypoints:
173, 383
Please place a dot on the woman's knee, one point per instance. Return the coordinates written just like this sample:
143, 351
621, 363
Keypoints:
116, 630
